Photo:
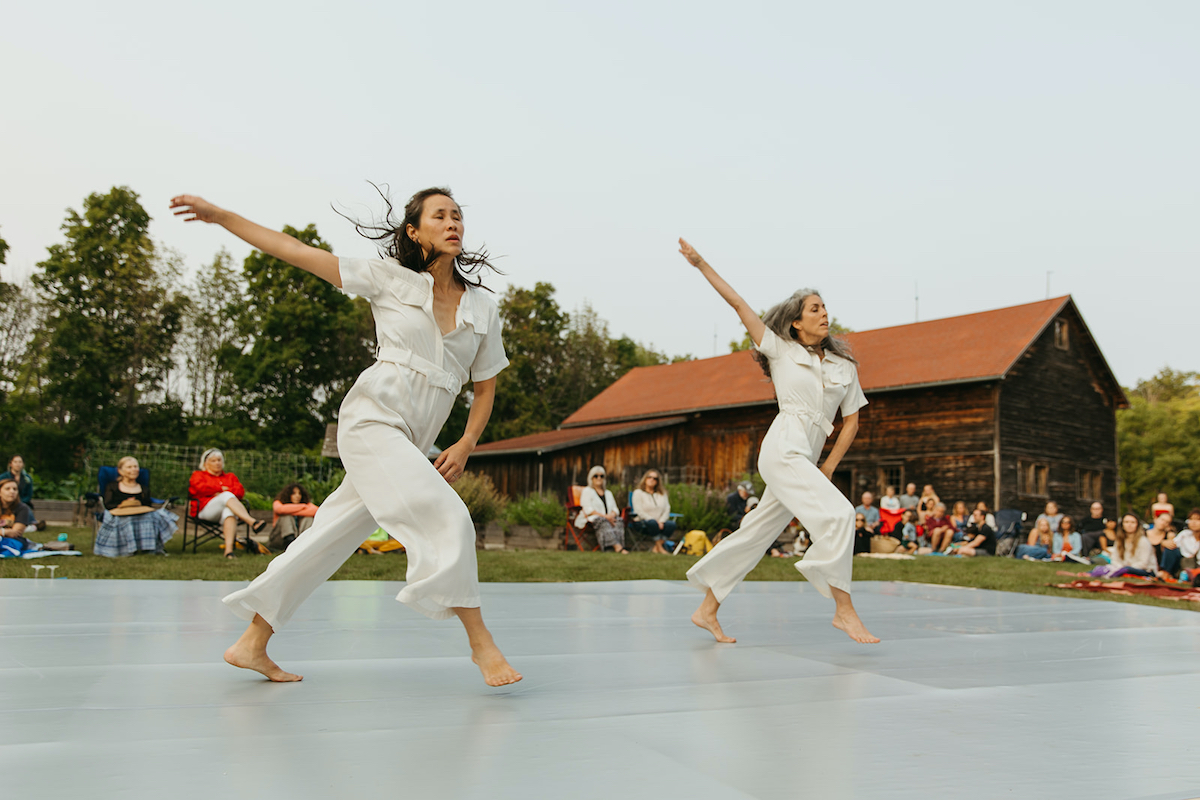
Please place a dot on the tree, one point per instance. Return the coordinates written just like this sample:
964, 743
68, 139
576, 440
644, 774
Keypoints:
307, 343
16, 315
1158, 440
109, 318
210, 339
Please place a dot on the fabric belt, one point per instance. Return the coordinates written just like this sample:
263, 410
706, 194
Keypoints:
816, 418
433, 373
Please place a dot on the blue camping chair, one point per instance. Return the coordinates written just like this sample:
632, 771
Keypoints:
95, 500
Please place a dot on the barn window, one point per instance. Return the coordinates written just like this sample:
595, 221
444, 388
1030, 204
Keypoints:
1033, 479
891, 475
1062, 338
1090, 483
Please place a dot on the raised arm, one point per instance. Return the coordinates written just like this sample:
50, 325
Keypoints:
753, 324
319, 262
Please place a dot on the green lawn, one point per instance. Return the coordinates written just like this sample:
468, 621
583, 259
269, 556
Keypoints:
1003, 574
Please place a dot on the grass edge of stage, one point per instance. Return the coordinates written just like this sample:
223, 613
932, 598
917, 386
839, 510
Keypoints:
553, 566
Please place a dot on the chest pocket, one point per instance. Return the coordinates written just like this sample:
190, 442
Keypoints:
836, 374
411, 291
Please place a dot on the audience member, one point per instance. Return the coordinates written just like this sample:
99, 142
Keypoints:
1091, 530
1066, 542
1157, 508
15, 516
652, 510
1161, 536
987, 515
925, 505
736, 503
217, 495
1041, 539
1188, 540
130, 523
862, 534
909, 499
599, 508
17, 472
960, 518
889, 501
1132, 550
869, 511
980, 539
1052, 515
908, 530
939, 528
293, 512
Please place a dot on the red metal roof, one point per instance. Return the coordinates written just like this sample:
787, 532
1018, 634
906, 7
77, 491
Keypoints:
971, 347
549, 441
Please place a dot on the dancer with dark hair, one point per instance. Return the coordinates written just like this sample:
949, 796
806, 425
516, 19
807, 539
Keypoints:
436, 329
815, 377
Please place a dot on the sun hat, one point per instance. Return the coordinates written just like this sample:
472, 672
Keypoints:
128, 508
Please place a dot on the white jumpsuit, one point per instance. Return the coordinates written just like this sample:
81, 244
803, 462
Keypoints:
810, 392
386, 425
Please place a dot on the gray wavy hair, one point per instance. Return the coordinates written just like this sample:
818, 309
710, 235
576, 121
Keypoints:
779, 319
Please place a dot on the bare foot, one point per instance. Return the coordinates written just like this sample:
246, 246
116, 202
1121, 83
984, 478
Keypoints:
494, 666
246, 658
710, 624
849, 623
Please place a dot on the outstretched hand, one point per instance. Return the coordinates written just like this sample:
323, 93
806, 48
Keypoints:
193, 208
689, 252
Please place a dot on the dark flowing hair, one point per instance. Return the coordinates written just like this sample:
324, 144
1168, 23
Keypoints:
285, 496
391, 236
779, 319
17, 502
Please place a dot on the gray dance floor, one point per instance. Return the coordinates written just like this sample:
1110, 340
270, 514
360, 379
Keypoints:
116, 689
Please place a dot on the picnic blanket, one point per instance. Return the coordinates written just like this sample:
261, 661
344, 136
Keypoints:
1130, 587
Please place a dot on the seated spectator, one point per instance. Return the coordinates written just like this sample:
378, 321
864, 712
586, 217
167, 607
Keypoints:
16, 471
926, 504
130, 523
1066, 544
909, 499
217, 495
293, 515
960, 518
736, 503
1041, 539
15, 516
652, 510
869, 511
889, 501
862, 534
939, 528
979, 539
1188, 540
1161, 536
1091, 530
1132, 551
991, 521
1110, 535
1052, 515
1157, 508
908, 531
599, 508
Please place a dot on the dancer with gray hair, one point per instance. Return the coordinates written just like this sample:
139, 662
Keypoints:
815, 377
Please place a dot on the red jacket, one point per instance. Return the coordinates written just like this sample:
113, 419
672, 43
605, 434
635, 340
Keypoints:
204, 486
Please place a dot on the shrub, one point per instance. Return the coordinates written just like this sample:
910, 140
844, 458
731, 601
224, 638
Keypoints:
481, 497
543, 512
319, 490
257, 502
702, 509
70, 488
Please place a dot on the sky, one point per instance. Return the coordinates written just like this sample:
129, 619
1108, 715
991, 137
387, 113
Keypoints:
974, 155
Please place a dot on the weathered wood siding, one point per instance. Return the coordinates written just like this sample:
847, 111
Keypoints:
940, 435
1055, 409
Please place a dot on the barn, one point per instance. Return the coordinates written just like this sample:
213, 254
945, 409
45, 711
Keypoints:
1013, 406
